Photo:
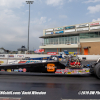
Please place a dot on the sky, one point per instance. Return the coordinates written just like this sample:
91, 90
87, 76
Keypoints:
44, 14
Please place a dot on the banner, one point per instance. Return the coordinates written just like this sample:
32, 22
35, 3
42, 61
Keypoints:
83, 25
11, 56
58, 32
94, 28
82, 29
39, 50
2, 55
93, 24
49, 30
13, 61
72, 30
28, 61
1, 62
48, 33
20, 56
51, 53
70, 27
61, 28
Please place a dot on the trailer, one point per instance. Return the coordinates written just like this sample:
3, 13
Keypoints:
53, 66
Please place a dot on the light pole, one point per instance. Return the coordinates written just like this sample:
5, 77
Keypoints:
29, 2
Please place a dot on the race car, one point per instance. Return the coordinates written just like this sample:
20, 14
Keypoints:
52, 65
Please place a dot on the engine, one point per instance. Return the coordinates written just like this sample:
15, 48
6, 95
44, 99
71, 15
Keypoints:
74, 62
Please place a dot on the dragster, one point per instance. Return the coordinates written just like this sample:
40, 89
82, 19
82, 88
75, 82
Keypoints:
53, 65
45, 66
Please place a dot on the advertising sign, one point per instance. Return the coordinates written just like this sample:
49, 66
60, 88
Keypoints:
11, 56
61, 53
58, 32
29, 61
83, 25
13, 61
70, 27
61, 28
82, 29
20, 56
49, 33
51, 53
49, 30
94, 28
39, 50
93, 24
73, 30
1, 62
22, 62
2, 55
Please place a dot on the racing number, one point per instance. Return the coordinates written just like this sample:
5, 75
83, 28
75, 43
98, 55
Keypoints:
50, 67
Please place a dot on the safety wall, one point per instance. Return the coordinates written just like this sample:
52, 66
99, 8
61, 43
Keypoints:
13, 61
89, 57
4, 60
22, 55
22, 61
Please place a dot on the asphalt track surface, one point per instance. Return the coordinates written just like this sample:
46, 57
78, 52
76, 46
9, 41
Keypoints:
56, 87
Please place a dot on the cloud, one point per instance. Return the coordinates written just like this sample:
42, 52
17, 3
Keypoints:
14, 30
94, 9
54, 2
91, 1
14, 27
49, 19
12, 3
42, 19
62, 16
69, 0
96, 20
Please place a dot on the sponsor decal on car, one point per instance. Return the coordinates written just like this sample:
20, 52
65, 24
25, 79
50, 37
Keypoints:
20, 70
2, 70
8, 70
72, 71
50, 67
15, 70
24, 69
68, 72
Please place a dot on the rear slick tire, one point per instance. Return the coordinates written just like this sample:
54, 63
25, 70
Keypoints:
97, 70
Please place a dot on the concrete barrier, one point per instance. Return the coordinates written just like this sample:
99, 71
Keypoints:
11, 56
90, 57
20, 56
